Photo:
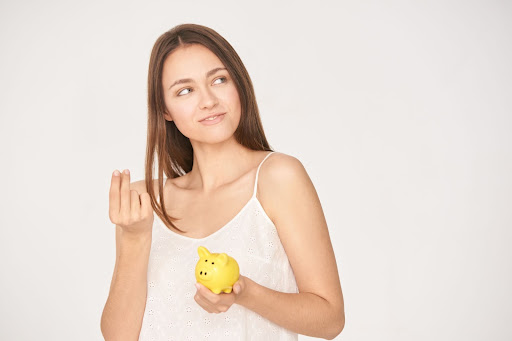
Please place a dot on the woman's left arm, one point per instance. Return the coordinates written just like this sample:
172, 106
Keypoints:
318, 309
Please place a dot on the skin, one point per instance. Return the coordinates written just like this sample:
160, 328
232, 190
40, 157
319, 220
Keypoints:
285, 192
214, 146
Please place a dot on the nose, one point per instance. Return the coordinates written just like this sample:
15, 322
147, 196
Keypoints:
208, 99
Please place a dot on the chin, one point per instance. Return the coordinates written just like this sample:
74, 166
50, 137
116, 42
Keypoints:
216, 137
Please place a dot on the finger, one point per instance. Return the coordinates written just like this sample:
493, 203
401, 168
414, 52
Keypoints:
135, 204
113, 197
145, 205
210, 295
125, 194
207, 296
204, 303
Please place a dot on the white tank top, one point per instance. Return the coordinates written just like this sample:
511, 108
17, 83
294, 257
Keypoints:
171, 312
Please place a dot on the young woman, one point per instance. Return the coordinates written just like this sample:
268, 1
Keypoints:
228, 191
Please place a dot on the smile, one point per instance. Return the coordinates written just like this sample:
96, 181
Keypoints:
213, 120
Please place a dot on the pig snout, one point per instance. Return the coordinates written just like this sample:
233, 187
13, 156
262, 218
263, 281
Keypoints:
205, 272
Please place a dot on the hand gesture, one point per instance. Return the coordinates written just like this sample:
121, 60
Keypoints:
127, 209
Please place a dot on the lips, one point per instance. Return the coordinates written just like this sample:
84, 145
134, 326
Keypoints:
212, 115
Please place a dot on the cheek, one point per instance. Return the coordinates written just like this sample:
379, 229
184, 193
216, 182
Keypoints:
234, 99
179, 110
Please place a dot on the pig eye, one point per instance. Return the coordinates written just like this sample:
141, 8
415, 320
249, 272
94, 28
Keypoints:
206, 260
213, 263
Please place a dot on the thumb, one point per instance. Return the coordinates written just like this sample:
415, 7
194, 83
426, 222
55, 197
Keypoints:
237, 288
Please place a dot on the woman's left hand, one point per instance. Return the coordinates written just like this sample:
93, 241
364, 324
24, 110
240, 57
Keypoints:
220, 303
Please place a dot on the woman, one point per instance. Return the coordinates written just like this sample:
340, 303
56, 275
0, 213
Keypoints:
227, 190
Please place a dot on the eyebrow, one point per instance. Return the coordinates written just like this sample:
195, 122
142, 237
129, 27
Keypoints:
187, 80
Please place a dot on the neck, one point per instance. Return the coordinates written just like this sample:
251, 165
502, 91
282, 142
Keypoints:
218, 164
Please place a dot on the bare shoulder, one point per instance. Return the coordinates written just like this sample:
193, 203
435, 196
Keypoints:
280, 165
140, 186
281, 176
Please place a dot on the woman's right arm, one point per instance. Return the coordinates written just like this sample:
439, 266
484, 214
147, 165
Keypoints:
133, 216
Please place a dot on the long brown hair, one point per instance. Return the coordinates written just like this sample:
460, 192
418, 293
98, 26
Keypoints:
173, 150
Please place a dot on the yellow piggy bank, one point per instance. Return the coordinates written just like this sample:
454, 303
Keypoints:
216, 271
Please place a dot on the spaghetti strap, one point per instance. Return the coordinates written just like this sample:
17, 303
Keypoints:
257, 173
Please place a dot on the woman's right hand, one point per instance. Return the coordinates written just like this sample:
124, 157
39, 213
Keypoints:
127, 209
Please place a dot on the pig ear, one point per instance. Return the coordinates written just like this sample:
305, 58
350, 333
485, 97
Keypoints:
203, 252
222, 258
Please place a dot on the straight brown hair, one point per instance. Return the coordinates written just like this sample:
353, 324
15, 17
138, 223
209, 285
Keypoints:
173, 150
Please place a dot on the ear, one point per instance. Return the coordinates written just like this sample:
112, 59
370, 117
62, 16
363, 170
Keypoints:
223, 259
167, 116
203, 252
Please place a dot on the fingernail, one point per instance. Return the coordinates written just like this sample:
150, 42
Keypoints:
126, 171
116, 172
197, 286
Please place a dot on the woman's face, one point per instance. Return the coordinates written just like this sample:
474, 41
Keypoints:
200, 92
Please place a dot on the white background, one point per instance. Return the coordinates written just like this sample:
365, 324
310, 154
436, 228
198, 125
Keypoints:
399, 110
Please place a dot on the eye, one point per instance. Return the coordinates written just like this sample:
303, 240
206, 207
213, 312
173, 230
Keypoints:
182, 91
221, 78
